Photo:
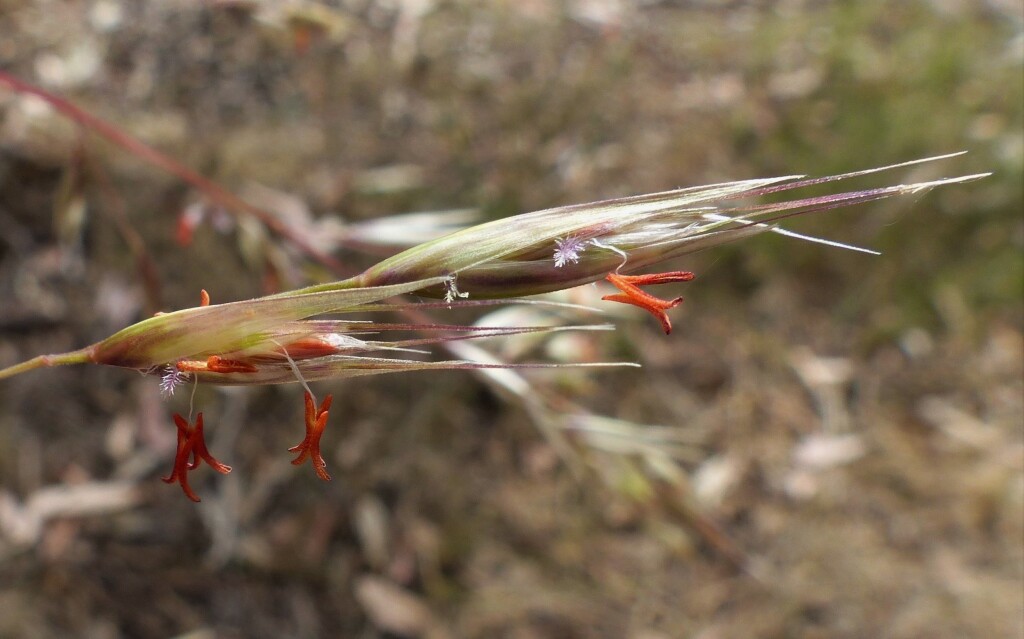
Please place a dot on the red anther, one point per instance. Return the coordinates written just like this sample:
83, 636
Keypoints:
190, 366
191, 444
215, 364
310, 347
652, 278
631, 293
316, 421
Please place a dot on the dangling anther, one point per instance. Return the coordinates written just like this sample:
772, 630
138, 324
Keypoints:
191, 444
316, 421
631, 293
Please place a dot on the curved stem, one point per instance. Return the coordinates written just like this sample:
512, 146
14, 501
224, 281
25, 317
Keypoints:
82, 356
213, 191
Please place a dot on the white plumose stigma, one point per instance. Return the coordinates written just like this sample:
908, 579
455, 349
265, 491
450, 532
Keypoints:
451, 290
568, 250
170, 380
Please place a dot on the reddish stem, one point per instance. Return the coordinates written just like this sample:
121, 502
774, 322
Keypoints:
209, 188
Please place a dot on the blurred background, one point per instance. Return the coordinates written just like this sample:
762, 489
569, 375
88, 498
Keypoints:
837, 440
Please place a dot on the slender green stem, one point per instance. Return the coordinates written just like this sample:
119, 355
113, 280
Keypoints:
82, 356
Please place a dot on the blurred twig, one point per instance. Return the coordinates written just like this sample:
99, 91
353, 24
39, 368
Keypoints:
143, 151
